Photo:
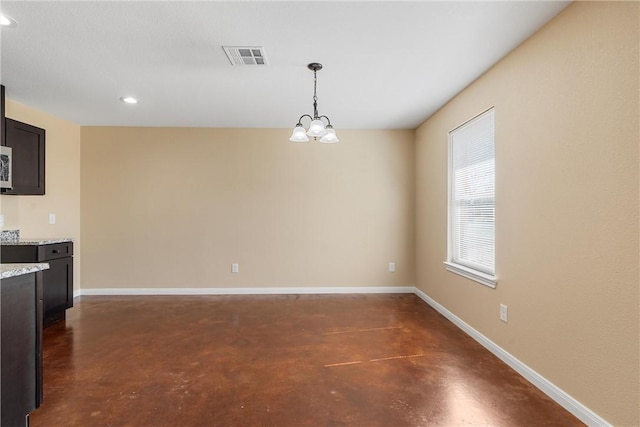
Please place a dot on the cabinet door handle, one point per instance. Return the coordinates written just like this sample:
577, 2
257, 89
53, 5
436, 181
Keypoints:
55, 251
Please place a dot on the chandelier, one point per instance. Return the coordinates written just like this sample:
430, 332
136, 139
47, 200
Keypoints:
317, 128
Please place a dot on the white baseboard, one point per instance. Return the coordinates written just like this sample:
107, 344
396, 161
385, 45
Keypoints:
583, 413
252, 291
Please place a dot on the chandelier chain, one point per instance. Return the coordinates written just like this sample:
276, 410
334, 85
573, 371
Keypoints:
315, 82
315, 96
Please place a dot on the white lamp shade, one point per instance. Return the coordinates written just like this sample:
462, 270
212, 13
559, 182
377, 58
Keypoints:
330, 137
316, 128
299, 135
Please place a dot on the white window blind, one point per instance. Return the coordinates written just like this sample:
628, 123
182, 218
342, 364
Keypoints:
472, 196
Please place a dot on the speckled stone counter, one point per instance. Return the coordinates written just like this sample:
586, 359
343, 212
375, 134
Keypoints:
12, 237
9, 236
13, 270
38, 241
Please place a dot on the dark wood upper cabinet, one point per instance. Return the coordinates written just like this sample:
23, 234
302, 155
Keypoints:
27, 143
2, 115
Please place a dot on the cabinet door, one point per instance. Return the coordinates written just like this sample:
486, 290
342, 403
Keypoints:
20, 357
2, 115
57, 288
27, 143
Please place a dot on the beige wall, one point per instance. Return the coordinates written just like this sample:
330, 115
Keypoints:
30, 214
567, 135
174, 207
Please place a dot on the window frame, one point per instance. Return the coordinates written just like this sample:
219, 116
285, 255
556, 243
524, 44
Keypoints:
486, 278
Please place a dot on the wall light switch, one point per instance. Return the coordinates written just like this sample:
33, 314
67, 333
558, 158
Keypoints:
52, 218
1, 220
503, 313
392, 267
235, 268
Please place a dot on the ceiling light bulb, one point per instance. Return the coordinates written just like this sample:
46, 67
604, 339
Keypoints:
330, 137
129, 100
316, 128
299, 135
5, 21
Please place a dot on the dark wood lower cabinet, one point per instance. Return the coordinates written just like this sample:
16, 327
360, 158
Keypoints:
57, 289
21, 350
57, 281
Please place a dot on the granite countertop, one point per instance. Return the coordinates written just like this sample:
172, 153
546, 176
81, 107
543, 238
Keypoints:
12, 238
13, 270
38, 241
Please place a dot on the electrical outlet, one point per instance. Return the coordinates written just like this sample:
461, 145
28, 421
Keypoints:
52, 218
392, 267
1, 220
503, 313
235, 268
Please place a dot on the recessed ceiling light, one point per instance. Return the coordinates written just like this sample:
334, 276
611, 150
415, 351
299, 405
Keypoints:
7, 21
129, 100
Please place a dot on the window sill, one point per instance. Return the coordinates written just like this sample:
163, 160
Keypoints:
477, 276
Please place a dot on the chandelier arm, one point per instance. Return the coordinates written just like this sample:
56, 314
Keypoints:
328, 121
301, 117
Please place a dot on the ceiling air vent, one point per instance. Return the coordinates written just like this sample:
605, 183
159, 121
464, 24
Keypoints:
245, 55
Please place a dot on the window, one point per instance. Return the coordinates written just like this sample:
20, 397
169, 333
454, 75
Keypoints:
471, 246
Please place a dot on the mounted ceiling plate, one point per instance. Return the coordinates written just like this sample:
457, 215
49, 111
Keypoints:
245, 55
315, 66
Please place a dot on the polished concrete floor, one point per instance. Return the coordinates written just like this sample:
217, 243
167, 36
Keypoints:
332, 360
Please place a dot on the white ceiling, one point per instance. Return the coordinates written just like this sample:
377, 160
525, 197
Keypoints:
387, 64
